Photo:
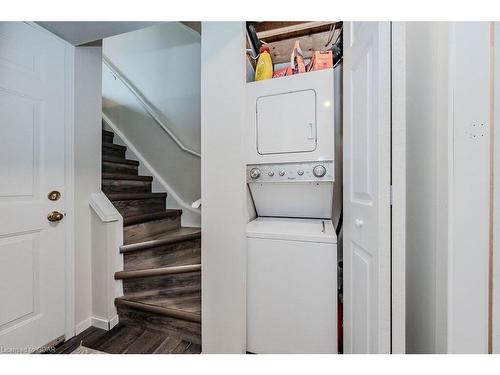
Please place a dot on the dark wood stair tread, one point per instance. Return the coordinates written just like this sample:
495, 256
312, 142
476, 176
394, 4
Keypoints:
112, 159
161, 271
114, 146
107, 132
119, 176
135, 196
185, 306
173, 236
144, 218
190, 302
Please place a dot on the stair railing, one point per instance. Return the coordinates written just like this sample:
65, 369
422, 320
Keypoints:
147, 106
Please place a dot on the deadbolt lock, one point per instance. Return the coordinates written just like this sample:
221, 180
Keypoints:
54, 195
55, 216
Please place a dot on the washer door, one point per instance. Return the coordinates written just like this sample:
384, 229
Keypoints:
286, 122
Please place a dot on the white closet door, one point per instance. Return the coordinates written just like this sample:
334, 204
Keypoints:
367, 54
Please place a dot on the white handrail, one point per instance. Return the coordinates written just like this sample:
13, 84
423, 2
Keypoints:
146, 105
196, 203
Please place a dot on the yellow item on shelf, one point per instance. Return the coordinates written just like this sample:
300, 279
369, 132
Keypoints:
264, 69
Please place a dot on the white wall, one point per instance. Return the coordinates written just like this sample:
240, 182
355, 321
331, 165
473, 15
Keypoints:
426, 137
163, 64
447, 187
87, 146
468, 287
107, 237
224, 213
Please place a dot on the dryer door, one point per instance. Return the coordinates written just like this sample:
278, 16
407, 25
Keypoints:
286, 122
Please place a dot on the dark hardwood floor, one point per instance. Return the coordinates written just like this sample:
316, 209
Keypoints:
124, 339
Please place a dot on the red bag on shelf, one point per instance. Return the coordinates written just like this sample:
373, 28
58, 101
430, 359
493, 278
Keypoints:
283, 72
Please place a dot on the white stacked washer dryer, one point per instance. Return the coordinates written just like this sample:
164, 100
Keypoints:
292, 244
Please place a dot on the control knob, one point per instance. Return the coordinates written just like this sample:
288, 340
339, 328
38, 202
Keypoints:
319, 170
255, 173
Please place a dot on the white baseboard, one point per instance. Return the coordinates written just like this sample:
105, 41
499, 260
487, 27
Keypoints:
100, 323
97, 322
113, 321
83, 325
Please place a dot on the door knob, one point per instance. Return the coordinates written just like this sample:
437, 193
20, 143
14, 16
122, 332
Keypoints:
359, 223
55, 216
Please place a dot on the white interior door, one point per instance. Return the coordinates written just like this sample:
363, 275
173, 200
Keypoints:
32, 163
367, 302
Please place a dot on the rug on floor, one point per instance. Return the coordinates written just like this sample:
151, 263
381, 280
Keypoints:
84, 350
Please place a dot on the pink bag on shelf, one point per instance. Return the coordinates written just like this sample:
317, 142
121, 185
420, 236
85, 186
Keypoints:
297, 64
297, 59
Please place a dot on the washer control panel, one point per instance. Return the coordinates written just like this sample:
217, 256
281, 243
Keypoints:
289, 172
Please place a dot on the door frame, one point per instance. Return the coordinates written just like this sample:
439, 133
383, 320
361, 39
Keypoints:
69, 121
494, 266
398, 187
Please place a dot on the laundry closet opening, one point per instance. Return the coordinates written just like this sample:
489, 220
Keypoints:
293, 163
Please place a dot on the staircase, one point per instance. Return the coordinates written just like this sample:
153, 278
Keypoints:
162, 260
